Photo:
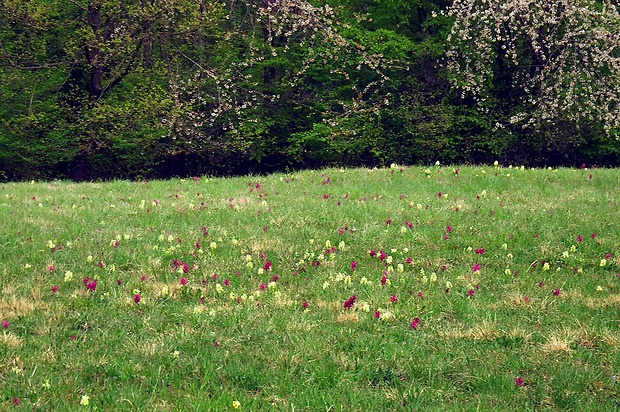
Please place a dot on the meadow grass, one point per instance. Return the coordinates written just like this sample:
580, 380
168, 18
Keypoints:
478, 288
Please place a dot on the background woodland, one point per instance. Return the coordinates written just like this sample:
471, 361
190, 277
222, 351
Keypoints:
101, 89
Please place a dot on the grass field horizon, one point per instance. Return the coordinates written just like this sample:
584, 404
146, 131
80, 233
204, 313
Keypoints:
435, 288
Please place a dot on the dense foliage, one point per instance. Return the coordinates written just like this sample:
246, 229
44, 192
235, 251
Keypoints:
154, 88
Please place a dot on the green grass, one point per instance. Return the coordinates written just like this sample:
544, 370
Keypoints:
234, 333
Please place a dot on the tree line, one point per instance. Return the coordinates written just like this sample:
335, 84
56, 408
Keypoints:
97, 89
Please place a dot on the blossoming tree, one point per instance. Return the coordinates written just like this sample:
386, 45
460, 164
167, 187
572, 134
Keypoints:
559, 59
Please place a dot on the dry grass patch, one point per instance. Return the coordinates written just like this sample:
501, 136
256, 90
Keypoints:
514, 299
483, 331
299, 326
348, 317
151, 347
520, 333
158, 290
602, 302
14, 307
557, 343
612, 339
9, 339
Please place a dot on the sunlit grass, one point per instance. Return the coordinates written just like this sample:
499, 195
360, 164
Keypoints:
489, 288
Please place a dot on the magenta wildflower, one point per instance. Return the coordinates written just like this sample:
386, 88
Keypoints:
226, 282
526, 299
439, 194
519, 381
142, 278
475, 268
593, 235
382, 255
119, 282
383, 280
556, 292
136, 298
5, 324
449, 229
408, 224
372, 253
50, 268
471, 292
583, 165
414, 323
541, 284
92, 286
377, 314
267, 266
275, 278
349, 302
15, 401
183, 281
607, 255
304, 304
393, 299
579, 238
353, 265
479, 251
197, 244
54, 288
420, 296
408, 260
388, 221
262, 286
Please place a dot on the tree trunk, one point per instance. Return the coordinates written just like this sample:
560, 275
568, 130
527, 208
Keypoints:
93, 52
147, 39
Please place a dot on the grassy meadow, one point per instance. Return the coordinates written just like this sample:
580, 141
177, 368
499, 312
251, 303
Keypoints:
478, 288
